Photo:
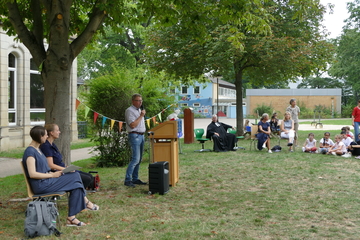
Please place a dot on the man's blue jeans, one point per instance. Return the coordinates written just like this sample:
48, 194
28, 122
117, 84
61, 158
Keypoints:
137, 148
356, 128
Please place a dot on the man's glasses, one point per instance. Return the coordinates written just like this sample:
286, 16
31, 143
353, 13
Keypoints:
138, 100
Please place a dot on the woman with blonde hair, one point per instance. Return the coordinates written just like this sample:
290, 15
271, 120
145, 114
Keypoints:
54, 157
43, 180
287, 130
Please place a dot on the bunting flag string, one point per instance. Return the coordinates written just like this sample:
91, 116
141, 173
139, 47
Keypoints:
112, 121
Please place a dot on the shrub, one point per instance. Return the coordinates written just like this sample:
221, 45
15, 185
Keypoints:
113, 148
110, 96
261, 109
346, 110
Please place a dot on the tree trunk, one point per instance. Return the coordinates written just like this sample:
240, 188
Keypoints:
57, 100
239, 101
56, 75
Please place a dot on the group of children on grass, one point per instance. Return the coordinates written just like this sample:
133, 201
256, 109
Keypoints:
343, 144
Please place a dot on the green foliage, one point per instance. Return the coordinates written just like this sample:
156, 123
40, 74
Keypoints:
110, 95
261, 109
287, 44
113, 147
346, 110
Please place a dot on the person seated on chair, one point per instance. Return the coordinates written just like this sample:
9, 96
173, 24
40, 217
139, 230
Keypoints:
274, 124
287, 130
54, 156
43, 180
264, 132
223, 141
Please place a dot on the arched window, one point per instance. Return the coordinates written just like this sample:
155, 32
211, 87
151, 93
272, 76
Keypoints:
37, 108
12, 89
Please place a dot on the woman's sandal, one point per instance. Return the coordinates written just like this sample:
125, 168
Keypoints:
94, 208
71, 223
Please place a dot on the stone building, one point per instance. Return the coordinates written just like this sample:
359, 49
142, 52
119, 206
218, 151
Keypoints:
21, 94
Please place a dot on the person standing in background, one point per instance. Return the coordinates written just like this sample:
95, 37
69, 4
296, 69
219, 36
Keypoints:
295, 113
135, 126
356, 120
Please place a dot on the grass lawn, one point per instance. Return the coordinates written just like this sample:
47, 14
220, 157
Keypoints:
233, 195
342, 122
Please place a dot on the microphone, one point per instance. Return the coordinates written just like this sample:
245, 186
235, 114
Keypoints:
142, 108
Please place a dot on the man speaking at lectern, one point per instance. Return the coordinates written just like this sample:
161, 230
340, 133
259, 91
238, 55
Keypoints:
135, 126
223, 141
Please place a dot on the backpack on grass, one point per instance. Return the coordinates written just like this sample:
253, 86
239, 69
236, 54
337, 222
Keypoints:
41, 219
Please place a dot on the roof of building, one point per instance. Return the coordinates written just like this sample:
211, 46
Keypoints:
221, 82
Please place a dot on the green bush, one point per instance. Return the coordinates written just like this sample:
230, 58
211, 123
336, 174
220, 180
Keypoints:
110, 96
346, 110
113, 148
261, 109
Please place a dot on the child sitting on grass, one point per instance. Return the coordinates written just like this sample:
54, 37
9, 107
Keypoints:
339, 147
325, 143
310, 144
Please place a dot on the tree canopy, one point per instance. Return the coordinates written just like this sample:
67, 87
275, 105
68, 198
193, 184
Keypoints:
291, 44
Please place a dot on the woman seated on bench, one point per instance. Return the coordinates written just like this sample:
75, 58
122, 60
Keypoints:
43, 180
287, 130
54, 157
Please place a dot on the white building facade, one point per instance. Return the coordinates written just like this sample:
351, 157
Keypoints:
21, 94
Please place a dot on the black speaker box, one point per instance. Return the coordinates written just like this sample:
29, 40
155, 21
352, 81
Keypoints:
159, 178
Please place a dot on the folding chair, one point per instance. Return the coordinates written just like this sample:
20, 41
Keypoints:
253, 135
233, 131
199, 132
51, 196
48, 196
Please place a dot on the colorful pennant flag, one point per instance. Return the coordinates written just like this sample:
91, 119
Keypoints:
103, 121
77, 104
95, 116
87, 109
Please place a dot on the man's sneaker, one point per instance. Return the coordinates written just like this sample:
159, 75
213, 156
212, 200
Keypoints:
139, 182
129, 184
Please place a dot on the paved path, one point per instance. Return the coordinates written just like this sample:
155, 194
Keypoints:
11, 166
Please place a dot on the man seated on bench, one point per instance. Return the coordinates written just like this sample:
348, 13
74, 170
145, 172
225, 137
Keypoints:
223, 141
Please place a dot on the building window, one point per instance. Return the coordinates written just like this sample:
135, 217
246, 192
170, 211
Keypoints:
184, 90
184, 104
37, 108
197, 90
196, 105
12, 89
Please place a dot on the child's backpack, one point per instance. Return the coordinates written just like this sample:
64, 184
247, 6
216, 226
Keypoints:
41, 219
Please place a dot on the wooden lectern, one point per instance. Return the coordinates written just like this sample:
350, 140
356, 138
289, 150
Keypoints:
164, 145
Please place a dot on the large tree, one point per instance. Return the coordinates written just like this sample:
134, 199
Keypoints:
56, 31
347, 57
293, 46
